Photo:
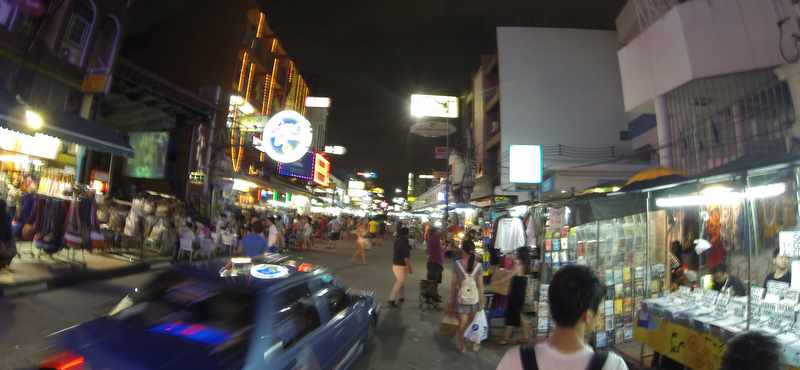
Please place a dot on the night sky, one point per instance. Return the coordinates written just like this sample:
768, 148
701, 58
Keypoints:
370, 55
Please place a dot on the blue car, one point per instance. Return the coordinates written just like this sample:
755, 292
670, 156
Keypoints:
261, 313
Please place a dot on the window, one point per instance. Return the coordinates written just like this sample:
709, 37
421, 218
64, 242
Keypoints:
336, 298
297, 315
76, 34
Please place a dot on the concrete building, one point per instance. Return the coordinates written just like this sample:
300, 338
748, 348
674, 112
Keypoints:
558, 88
244, 59
56, 59
720, 77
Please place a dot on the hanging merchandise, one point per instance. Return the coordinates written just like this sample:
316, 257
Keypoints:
510, 234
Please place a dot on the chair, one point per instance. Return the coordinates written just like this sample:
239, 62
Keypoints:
186, 248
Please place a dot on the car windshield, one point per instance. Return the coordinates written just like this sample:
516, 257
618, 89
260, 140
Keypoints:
191, 307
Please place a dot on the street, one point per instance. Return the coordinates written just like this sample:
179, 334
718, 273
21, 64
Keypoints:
406, 337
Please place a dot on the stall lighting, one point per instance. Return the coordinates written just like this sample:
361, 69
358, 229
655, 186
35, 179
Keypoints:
426, 177
33, 119
243, 185
722, 195
247, 108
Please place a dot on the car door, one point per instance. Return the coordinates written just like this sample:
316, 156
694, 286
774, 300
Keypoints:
296, 329
344, 327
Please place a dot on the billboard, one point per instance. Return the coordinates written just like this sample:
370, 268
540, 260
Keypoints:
434, 106
150, 155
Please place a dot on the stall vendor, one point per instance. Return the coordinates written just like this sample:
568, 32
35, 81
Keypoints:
782, 272
723, 281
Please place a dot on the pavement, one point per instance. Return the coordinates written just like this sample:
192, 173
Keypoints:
406, 337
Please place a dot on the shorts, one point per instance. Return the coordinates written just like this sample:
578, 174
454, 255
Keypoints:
468, 309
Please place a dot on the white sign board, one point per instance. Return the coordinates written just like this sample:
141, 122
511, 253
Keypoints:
287, 137
789, 242
434, 106
525, 164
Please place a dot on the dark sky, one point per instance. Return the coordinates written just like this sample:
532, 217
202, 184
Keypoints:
370, 55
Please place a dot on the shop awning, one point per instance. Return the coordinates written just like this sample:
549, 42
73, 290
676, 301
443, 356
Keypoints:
65, 126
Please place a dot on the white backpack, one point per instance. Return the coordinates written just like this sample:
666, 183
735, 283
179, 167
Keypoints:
468, 292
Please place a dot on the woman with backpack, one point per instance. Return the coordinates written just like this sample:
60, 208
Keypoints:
467, 288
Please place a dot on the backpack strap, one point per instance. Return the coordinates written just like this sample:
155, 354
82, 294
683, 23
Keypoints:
527, 354
598, 360
458, 263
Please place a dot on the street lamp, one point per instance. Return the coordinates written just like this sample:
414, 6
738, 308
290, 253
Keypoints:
33, 119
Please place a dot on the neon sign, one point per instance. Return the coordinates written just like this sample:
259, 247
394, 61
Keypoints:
287, 137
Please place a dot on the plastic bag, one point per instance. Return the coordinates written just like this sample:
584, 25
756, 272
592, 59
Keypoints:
478, 330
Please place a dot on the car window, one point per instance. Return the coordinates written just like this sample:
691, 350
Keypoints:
296, 316
193, 308
335, 296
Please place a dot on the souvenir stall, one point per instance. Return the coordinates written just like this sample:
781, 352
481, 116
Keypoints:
734, 265
144, 227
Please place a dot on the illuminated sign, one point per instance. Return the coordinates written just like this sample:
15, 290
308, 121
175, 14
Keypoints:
266, 271
318, 102
356, 185
301, 169
367, 175
335, 150
322, 170
39, 145
525, 164
253, 123
434, 106
287, 137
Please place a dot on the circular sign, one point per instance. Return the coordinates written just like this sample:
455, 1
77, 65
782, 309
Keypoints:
432, 128
287, 137
265, 271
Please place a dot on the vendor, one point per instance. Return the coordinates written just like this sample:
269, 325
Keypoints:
782, 272
724, 282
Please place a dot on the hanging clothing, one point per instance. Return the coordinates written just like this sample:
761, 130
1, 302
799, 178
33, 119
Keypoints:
510, 235
530, 231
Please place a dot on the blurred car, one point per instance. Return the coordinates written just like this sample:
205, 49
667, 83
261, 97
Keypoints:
242, 313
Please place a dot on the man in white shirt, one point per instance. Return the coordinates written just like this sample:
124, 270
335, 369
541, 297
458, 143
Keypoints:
575, 295
272, 234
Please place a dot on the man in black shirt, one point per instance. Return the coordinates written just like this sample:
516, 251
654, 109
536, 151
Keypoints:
401, 265
723, 281
782, 272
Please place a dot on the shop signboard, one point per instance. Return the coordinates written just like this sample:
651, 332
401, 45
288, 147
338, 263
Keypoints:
440, 152
96, 83
302, 169
322, 170
286, 138
39, 145
525, 164
789, 243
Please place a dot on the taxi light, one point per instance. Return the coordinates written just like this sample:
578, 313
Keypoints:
64, 361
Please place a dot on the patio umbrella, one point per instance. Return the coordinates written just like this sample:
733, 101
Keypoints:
653, 177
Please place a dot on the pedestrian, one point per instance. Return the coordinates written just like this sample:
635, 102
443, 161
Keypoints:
374, 228
574, 296
516, 297
8, 247
435, 257
335, 232
253, 243
307, 231
186, 238
466, 289
272, 234
362, 241
752, 350
401, 266
281, 233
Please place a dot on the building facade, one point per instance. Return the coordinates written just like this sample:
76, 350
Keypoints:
557, 88
723, 92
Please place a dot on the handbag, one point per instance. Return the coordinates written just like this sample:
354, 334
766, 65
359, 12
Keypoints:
449, 326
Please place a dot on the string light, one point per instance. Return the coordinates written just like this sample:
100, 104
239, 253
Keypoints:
260, 30
243, 71
272, 84
249, 82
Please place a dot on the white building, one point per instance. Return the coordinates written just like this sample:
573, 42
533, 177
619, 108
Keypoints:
558, 88
714, 74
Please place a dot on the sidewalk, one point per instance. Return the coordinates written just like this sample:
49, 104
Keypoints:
32, 272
